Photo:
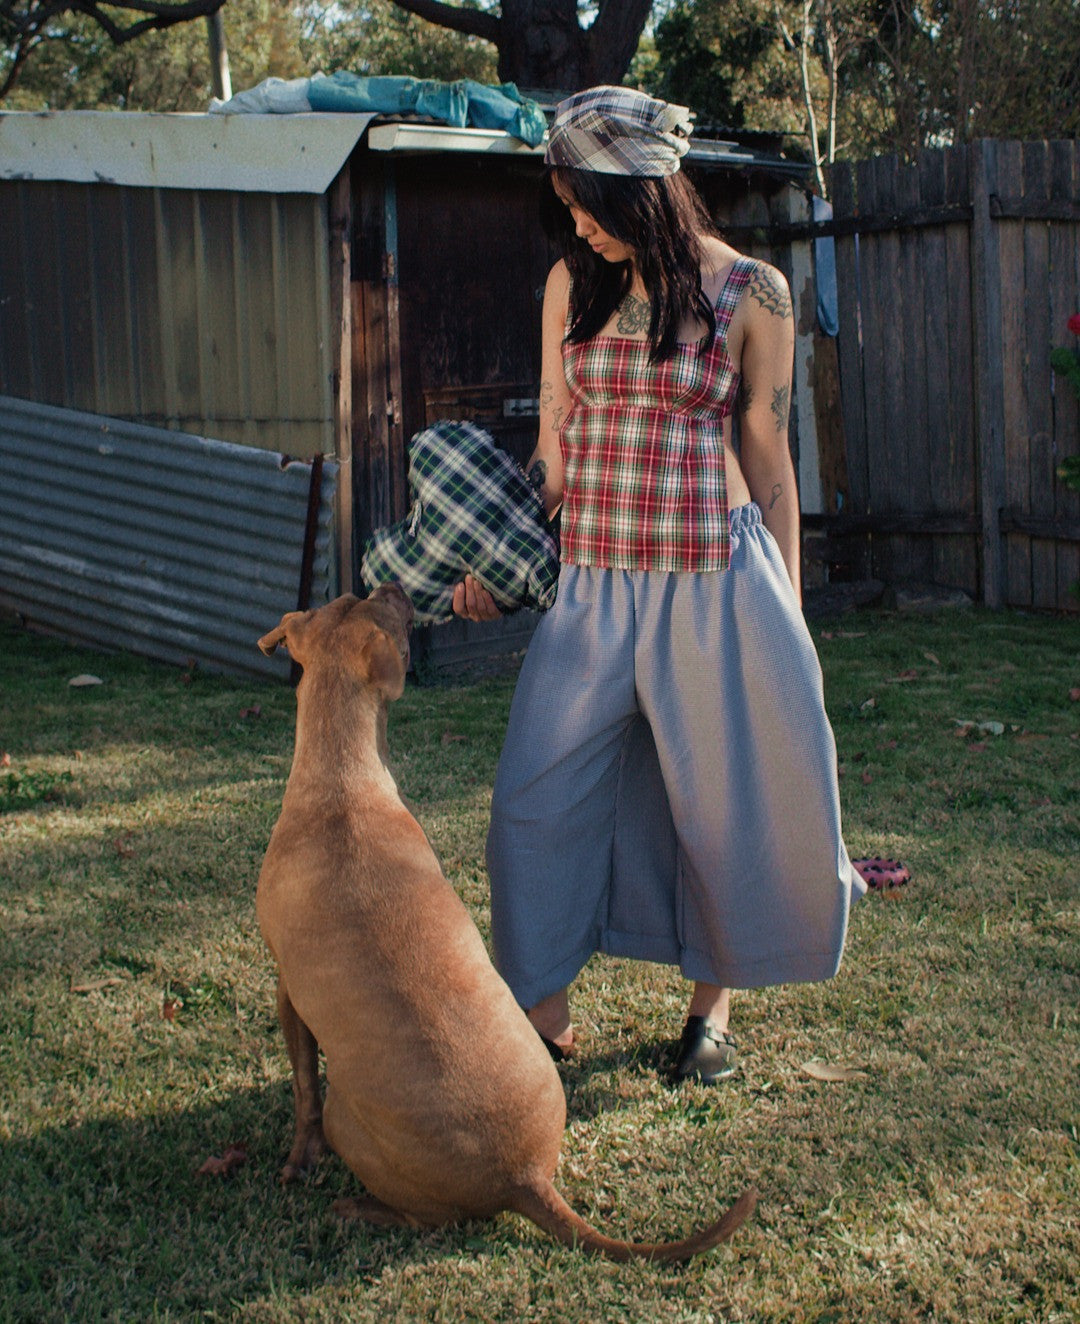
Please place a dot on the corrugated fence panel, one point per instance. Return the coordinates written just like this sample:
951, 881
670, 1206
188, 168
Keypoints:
206, 312
170, 545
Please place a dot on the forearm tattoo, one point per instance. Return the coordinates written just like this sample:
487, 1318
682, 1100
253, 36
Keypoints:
770, 290
777, 493
537, 477
634, 315
547, 396
781, 403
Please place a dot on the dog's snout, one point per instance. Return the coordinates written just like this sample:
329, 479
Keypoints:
396, 596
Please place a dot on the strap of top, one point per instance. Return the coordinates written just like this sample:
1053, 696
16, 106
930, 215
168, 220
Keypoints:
731, 292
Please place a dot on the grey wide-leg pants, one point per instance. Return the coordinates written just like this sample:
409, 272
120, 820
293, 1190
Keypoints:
667, 788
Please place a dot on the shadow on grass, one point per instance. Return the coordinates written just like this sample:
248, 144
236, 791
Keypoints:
110, 1219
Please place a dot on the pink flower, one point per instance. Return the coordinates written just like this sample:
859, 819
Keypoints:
1074, 324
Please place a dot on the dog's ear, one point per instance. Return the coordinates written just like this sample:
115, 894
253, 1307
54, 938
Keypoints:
288, 632
383, 665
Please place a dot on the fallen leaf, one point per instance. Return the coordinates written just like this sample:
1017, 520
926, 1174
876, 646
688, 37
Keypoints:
5, 760
235, 1156
831, 1071
93, 985
867, 778
867, 703
932, 657
1074, 693
80, 682
978, 747
253, 711
448, 738
909, 674
169, 1008
827, 634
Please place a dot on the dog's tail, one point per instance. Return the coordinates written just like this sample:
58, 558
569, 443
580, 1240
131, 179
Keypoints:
545, 1207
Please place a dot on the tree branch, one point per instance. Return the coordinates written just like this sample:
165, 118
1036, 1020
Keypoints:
160, 15
472, 22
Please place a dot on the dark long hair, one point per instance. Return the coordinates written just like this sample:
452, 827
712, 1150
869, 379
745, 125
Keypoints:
662, 220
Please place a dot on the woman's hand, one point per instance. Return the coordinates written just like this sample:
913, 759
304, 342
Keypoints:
473, 602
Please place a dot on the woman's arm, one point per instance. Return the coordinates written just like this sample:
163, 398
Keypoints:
768, 346
544, 469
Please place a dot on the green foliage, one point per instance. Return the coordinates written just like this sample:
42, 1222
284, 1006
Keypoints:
376, 37
909, 74
80, 69
727, 61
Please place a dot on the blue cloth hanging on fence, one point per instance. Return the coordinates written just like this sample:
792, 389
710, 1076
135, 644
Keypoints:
825, 272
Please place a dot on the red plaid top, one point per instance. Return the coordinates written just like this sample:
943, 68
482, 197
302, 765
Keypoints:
643, 451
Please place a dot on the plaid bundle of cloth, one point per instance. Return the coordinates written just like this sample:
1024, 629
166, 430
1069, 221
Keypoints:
617, 131
472, 510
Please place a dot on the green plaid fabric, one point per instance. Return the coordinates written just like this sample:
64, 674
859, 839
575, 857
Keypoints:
472, 510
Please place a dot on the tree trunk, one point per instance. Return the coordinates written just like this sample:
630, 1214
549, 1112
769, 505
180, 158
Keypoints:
541, 42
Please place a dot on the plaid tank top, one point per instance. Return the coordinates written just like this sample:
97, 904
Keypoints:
643, 450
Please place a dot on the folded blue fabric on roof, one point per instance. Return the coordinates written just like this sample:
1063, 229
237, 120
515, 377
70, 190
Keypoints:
463, 103
473, 511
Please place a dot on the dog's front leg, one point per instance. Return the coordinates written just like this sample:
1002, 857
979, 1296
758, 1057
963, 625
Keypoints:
309, 1143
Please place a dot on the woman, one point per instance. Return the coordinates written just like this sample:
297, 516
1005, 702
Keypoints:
667, 789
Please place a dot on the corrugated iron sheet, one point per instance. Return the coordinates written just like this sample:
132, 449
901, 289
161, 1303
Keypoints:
165, 544
207, 312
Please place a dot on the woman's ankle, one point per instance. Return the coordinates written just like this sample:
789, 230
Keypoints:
712, 1003
550, 1019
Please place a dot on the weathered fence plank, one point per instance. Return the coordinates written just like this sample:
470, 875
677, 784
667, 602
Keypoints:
1014, 321
1064, 301
849, 348
1037, 374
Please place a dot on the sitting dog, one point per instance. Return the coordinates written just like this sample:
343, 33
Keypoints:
440, 1096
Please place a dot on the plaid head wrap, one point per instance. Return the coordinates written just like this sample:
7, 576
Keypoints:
617, 131
473, 509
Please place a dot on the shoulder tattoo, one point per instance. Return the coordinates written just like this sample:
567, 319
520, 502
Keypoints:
634, 315
770, 290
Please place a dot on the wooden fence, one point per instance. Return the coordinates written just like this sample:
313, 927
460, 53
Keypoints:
956, 276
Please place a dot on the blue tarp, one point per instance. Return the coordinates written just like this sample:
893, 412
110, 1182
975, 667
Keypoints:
464, 104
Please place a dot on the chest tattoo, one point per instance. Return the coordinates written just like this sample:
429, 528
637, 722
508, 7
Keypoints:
633, 316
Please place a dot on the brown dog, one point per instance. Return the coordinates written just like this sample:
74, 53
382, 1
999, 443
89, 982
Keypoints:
440, 1095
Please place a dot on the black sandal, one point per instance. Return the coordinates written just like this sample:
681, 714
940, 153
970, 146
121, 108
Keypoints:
705, 1054
557, 1054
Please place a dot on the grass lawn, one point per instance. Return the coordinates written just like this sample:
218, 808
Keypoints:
938, 1181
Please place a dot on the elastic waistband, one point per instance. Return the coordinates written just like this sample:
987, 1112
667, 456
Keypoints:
744, 517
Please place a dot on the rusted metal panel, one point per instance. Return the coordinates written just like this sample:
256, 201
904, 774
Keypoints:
170, 545
205, 312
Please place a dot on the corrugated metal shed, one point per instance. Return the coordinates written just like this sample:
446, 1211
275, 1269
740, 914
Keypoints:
170, 545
